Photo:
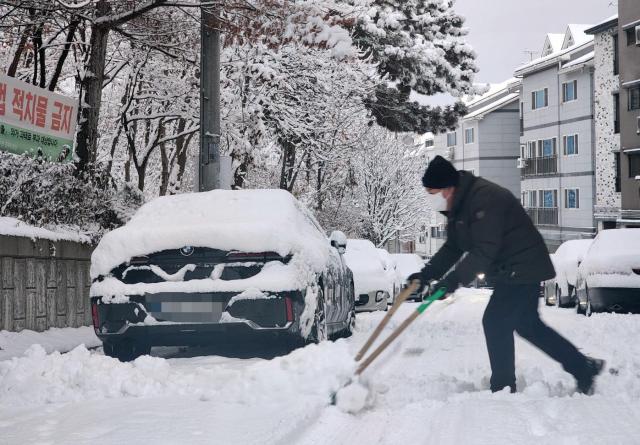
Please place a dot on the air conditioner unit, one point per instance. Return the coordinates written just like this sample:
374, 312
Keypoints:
638, 35
522, 163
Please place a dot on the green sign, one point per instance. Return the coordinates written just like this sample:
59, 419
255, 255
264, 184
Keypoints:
19, 140
35, 121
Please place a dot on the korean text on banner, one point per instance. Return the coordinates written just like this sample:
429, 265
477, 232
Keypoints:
36, 121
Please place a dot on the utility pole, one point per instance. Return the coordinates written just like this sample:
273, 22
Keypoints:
209, 162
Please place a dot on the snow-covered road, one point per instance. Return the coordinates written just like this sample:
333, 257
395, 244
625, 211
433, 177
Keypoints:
430, 388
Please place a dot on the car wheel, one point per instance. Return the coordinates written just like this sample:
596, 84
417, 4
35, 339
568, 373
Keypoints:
125, 350
319, 330
588, 310
351, 324
558, 297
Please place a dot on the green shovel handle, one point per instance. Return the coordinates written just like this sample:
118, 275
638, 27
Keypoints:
441, 292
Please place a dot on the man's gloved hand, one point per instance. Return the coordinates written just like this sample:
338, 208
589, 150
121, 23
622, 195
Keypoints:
417, 277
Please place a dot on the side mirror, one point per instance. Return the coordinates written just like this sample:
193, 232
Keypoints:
339, 241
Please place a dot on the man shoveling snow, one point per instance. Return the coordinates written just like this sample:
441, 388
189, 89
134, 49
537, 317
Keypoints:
488, 224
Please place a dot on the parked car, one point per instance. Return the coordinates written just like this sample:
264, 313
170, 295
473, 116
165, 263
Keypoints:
609, 276
407, 264
371, 282
390, 269
560, 291
201, 268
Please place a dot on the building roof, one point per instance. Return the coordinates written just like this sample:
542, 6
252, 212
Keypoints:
608, 23
493, 89
575, 35
552, 43
574, 39
579, 61
491, 106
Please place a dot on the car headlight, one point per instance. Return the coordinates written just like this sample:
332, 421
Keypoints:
480, 276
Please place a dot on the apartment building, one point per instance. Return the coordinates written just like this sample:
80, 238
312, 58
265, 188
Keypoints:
557, 161
629, 55
485, 142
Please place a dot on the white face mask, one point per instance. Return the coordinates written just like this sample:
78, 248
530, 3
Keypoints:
437, 202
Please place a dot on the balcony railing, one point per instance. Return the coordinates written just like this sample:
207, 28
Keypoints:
545, 165
543, 216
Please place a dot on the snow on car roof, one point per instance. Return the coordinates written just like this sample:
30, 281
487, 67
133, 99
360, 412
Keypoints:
613, 251
364, 260
242, 220
407, 263
574, 249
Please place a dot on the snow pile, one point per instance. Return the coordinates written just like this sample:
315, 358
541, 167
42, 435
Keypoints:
368, 271
15, 227
611, 259
242, 220
38, 378
354, 397
14, 344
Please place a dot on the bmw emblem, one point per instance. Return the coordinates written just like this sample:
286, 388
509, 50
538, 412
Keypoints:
187, 250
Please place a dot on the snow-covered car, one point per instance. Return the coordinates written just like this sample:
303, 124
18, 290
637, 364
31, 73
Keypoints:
560, 291
609, 276
201, 268
407, 264
369, 277
390, 269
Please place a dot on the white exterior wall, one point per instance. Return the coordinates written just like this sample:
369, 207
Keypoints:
556, 120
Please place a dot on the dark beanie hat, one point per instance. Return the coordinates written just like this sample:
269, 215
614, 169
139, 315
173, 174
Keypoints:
440, 174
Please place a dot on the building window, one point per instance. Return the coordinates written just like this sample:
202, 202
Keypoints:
539, 99
631, 36
616, 113
546, 148
428, 143
569, 91
616, 63
634, 98
468, 136
616, 161
531, 152
548, 199
451, 139
570, 144
634, 165
572, 199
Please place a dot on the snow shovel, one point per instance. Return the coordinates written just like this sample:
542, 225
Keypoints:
402, 296
441, 292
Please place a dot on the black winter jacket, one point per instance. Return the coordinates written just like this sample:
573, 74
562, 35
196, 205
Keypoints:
488, 224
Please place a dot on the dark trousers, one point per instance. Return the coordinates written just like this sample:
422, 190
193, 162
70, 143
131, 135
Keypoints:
514, 307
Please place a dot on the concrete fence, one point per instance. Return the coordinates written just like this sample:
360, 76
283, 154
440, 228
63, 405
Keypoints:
43, 284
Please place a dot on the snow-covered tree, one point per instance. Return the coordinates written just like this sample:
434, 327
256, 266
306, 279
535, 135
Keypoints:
419, 47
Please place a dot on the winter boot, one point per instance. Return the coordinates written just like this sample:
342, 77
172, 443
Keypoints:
585, 384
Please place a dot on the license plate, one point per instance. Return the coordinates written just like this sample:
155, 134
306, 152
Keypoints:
190, 311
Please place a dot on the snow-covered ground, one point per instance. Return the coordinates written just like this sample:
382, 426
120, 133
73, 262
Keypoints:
14, 344
430, 388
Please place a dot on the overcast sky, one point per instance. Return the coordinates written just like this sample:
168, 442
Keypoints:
501, 31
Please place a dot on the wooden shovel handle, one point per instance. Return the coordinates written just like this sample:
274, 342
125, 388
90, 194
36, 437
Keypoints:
402, 296
387, 342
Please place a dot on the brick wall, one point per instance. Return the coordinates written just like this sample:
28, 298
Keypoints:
43, 284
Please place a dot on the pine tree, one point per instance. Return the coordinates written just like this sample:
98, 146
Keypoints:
419, 47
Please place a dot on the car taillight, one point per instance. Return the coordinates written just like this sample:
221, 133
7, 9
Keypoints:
636, 271
289, 306
94, 316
